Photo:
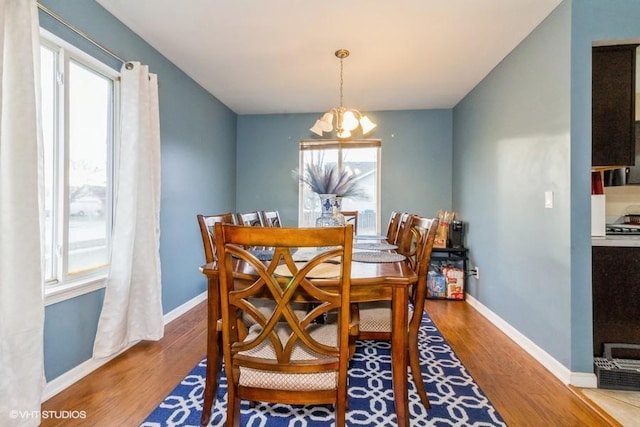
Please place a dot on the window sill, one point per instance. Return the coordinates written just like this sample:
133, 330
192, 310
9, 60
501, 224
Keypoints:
58, 293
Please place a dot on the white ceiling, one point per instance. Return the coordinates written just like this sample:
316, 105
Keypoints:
277, 56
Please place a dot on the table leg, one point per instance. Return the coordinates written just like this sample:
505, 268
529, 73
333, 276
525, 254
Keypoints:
214, 349
400, 314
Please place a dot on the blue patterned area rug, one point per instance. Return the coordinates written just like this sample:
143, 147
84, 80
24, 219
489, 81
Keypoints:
456, 400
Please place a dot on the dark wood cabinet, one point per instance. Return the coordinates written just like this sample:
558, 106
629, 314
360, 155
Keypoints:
613, 105
633, 172
616, 298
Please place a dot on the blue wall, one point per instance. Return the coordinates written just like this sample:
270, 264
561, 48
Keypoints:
525, 129
69, 330
511, 145
416, 161
592, 20
198, 136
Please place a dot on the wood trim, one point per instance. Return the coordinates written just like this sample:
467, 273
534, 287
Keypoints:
326, 144
594, 406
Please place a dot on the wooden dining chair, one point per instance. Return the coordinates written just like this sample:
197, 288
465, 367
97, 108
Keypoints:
214, 340
271, 218
283, 358
402, 231
253, 219
351, 217
392, 227
375, 317
206, 231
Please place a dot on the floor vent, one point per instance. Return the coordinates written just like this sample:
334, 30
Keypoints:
617, 374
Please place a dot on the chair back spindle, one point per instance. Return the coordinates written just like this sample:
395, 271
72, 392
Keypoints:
253, 219
271, 218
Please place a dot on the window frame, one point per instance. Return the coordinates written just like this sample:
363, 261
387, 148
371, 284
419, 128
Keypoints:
340, 144
65, 286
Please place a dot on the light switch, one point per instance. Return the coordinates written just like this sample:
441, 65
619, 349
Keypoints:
548, 199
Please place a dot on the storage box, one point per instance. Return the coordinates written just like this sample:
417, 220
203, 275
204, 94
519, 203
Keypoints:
436, 285
446, 281
454, 277
447, 274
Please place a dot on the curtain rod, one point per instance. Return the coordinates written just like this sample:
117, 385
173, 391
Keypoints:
78, 31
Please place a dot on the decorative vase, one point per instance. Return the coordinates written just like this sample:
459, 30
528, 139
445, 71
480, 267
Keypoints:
328, 206
338, 211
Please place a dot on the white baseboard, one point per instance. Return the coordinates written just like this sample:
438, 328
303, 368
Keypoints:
180, 310
583, 380
75, 374
578, 379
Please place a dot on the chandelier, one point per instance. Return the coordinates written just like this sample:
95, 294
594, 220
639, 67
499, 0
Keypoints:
346, 119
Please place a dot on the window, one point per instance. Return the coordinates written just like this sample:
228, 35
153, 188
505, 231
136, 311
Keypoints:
78, 126
363, 157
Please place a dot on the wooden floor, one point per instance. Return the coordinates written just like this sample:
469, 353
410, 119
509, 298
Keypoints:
124, 391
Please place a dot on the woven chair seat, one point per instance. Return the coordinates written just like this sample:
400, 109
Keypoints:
325, 334
376, 317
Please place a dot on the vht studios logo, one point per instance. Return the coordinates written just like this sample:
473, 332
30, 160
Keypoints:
14, 414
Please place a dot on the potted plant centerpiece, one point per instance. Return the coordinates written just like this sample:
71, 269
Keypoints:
331, 184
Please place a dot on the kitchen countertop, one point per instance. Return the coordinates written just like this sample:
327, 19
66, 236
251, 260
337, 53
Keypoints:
630, 241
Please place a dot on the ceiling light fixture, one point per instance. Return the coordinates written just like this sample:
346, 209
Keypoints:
347, 119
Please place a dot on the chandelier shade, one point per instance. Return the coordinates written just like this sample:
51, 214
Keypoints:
346, 120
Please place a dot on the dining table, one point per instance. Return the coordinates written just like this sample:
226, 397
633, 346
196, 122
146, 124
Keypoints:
370, 281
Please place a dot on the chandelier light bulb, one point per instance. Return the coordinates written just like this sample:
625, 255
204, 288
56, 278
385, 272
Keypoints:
367, 125
349, 121
317, 128
326, 123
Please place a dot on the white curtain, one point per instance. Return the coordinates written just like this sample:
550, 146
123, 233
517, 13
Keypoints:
132, 309
21, 291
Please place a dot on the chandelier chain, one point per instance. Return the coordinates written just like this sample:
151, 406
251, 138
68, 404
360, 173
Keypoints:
341, 81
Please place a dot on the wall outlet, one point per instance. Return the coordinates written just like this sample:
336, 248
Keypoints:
475, 272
